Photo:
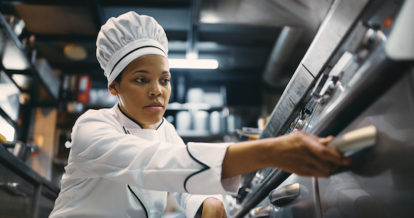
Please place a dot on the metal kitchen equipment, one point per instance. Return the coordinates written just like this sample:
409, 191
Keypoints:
358, 71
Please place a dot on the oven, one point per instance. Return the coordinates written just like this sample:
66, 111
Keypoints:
17, 195
23, 192
353, 75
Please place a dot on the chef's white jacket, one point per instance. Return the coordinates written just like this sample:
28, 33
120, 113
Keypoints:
117, 169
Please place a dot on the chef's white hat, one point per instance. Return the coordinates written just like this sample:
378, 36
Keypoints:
126, 38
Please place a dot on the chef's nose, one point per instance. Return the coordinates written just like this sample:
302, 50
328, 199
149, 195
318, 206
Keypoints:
155, 90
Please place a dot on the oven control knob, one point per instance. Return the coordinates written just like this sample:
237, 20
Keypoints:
282, 196
372, 37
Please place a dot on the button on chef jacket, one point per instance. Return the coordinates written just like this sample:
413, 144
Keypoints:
117, 169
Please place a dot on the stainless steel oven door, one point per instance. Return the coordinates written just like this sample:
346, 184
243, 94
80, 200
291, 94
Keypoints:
16, 195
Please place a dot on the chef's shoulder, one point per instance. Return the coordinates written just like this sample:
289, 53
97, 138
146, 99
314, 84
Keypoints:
97, 119
91, 126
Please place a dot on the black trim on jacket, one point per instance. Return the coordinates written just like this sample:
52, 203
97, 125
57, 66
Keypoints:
145, 209
205, 167
130, 189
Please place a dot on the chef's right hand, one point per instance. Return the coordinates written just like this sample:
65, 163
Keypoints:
298, 152
306, 155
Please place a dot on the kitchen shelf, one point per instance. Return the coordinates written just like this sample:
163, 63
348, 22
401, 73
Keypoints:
42, 87
7, 118
194, 133
174, 106
66, 120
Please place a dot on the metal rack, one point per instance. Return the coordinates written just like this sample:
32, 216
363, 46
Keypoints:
39, 89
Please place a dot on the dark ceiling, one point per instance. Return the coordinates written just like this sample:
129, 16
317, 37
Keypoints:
241, 34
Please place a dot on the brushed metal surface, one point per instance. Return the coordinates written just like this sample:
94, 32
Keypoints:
332, 31
380, 182
400, 45
303, 205
300, 13
294, 92
336, 24
285, 194
366, 79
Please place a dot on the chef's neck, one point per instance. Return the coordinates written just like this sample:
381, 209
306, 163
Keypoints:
142, 125
150, 126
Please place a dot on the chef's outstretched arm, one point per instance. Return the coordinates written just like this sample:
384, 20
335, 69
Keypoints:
299, 152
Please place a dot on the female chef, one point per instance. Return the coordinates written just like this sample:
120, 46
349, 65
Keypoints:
125, 159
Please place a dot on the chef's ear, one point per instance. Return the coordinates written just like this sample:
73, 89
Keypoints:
113, 88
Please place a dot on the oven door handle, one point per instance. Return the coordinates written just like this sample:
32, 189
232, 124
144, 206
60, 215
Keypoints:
13, 188
282, 196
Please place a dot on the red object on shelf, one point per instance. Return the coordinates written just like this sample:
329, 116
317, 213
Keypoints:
84, 88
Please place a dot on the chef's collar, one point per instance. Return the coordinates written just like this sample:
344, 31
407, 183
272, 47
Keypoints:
128, 122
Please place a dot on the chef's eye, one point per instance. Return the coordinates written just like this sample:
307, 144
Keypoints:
165, 81
141, 80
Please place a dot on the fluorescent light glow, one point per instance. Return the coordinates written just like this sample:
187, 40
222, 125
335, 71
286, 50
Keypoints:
191, 55
193, 63
209, 17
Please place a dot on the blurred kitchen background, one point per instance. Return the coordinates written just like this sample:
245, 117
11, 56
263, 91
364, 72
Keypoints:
49, 74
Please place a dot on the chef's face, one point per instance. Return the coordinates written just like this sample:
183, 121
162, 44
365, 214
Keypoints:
144, 89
